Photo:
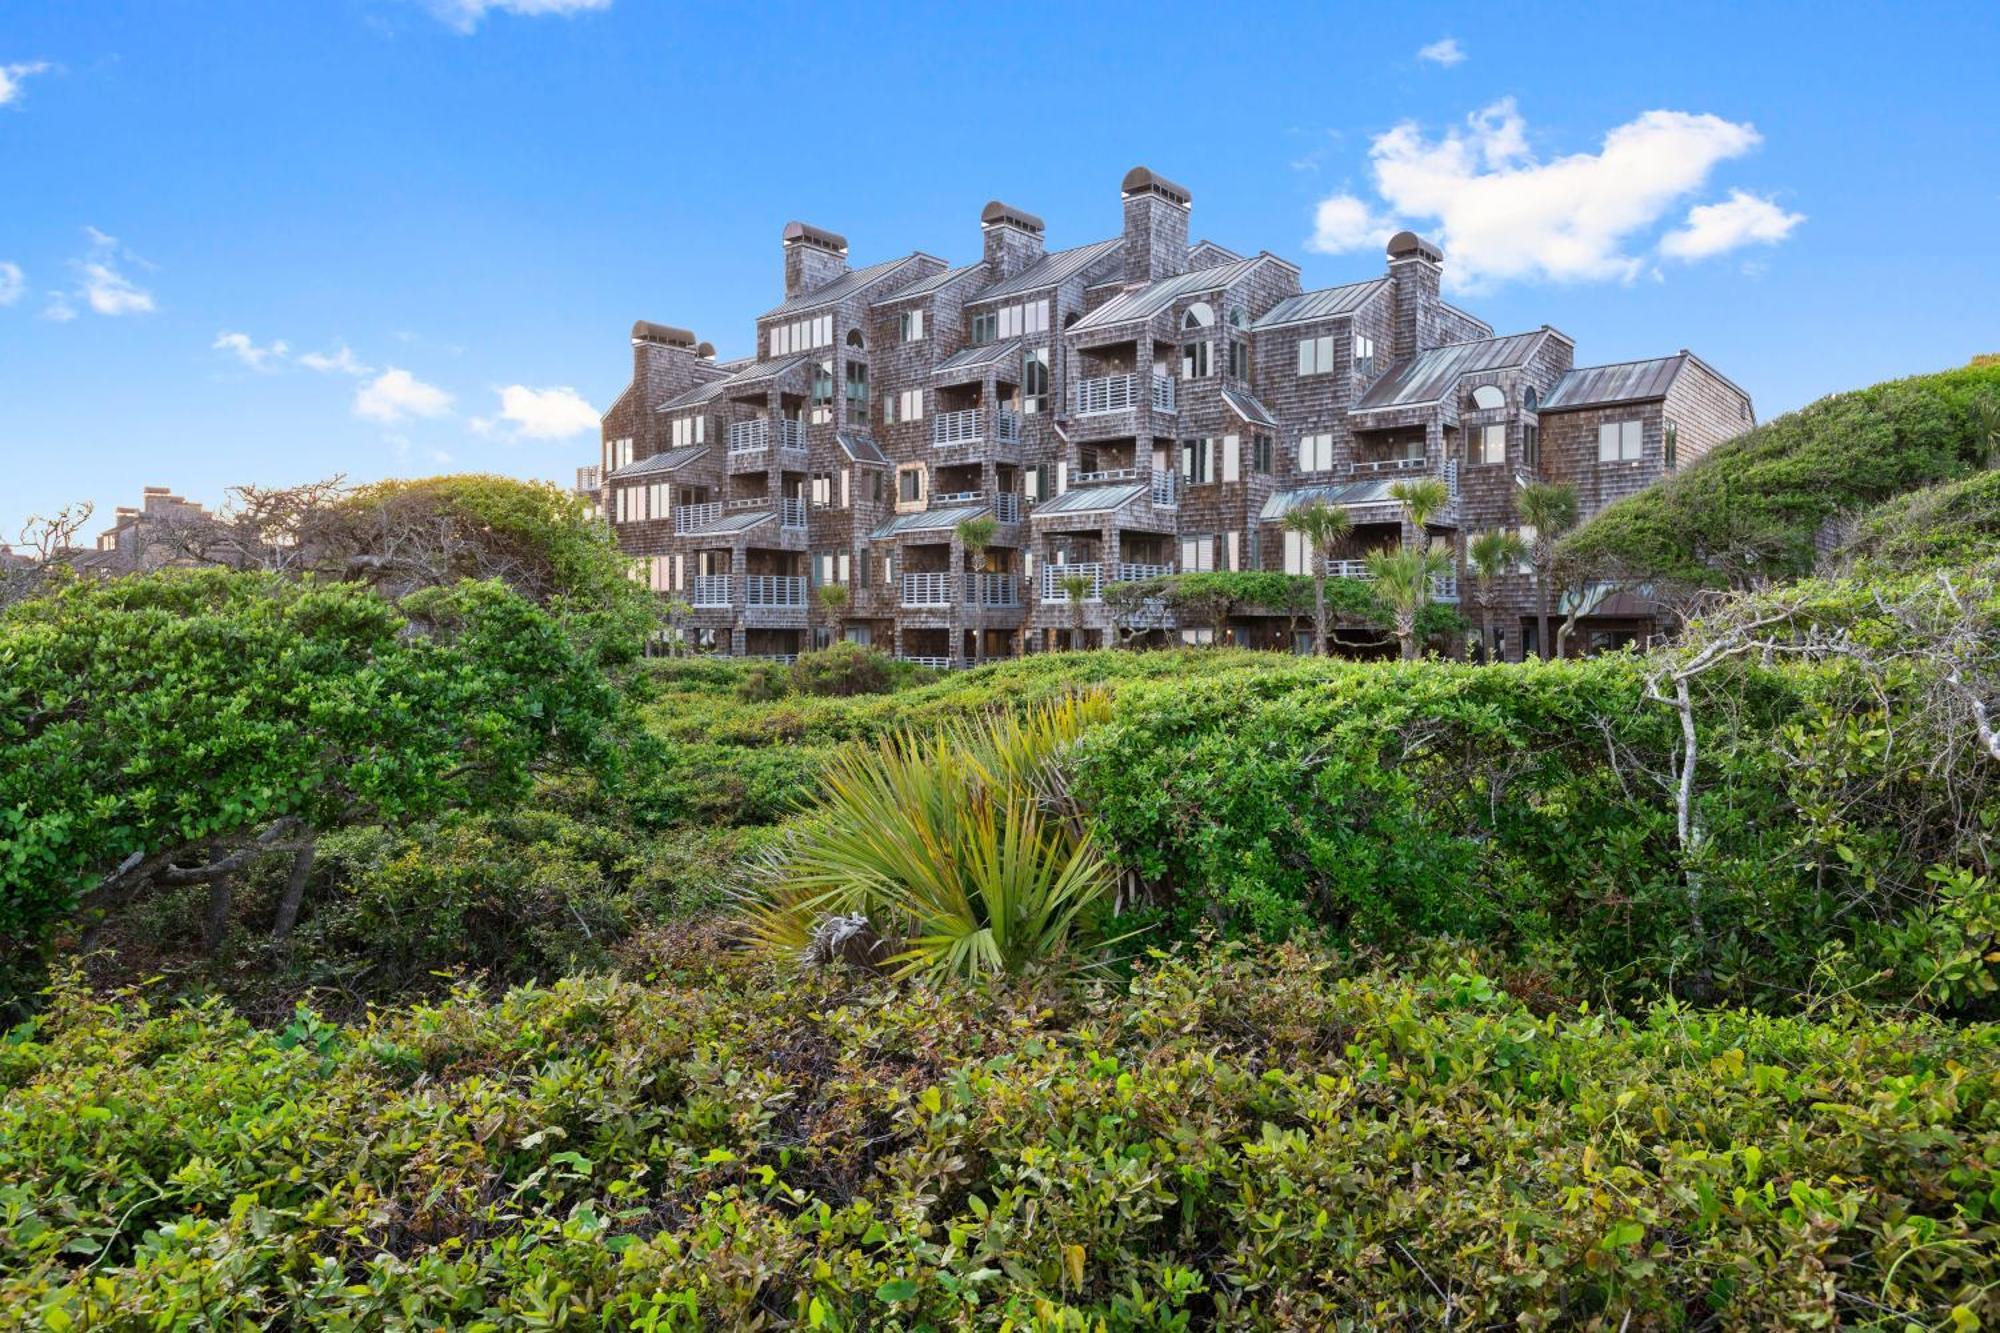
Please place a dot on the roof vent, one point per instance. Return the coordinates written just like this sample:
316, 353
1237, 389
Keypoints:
706, 351
1144, 180
997, 214
804, 233
1409, 245
645, 331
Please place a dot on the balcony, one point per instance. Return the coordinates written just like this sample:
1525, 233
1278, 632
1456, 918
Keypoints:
749, 437
1444, 588
791, 434
689, 517
1386, 466
929, 589
1105, 476
1053, 576
1166, 490
954, 499
935, 663
1134, 571
589, 479
1121, 393
992, 590
787, 590
707, 590
1006, 426
792, 512
965, 426
1007, 507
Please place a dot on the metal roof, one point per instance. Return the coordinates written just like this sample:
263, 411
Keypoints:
1282, 503
1325, 303
1431, 376
700, 393
1092, 499
930, 520
1150, 300
671, 460
844, 286
1245, 405
741, 521
1626, 382
759, 371
935, 282
976, 358
860, 448
1058, 266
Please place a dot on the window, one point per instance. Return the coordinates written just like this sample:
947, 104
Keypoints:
888, 409
1239, 360
659, 497
1316, 356
829, 567
857, 394
910, 485
910, 326
1260, 454
1015, 320
1232, 458
1195, 461
822, 490
1036, 480
822, 392
1238, 318
617, 453
913, 405
985, 327
690, 430
802, 335
1194, 361
1298, 553
1530, 400
878, 485
1035, 380
1197, 555
1486, 397
1199, 316
1493, 443
1531, 448
1364, 355
1526, 532
1316, 453
1671, 437
1618, 442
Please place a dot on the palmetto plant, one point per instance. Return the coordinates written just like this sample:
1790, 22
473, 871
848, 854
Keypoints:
961, 846
1550, 509
1322, 526
1422, 498
833, 599
1076, 587
1403, 579
1491, 555
976, 534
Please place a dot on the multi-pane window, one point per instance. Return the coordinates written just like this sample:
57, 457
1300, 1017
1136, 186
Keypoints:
1260, 454
830, 567
1493, 443
1531, 448
617, 453
985, 327
857, 393
1619, 441
1015, 320
913, 405
1316, 355
910, 485
1194, 361
690, 430
1364, 355
1239, 359
1036, 481
1298, 553
1035, 380
1316, 452
658, 498
821, 392
878, 485
910, 325
822, 490
1671, 440
1195, 460
1197, 555
801, 335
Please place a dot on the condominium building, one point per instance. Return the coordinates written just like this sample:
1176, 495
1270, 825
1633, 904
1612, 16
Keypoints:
1140, 405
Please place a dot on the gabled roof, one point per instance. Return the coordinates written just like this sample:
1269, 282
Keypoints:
1430, 376
1207, 254
670, 461
1058, 266
1282, 503
861, 448
1468, 317
1325, 303
740, 521
757, 372
935, 282
700, 393
1625, 382
846, 285
1145, 302
972, 360
930, 520
1092, 499
1246, 406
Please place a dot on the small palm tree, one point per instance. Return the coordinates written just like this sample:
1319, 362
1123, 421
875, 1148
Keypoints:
1493, 554
1322, 526
1423, 498
1550, 509
833, 599
975, 534
1403, 578
1076, 587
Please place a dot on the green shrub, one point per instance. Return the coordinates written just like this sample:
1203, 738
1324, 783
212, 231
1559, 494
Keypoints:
1241, 1139
842, 670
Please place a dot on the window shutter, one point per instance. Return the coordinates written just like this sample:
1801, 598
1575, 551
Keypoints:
1232, 457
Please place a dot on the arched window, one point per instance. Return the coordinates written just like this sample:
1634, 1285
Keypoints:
1488, 396
854, 338
1530, 400
1199, 316
1072, 318
1238, 318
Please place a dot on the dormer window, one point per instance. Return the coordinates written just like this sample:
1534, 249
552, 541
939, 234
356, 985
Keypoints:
1238, 318
985, 328
1530, 400
910, 324
1487, 397
855, 340
1199, 316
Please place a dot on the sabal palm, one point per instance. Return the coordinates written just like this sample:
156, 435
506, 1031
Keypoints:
1550, 509
1403, 579
1422, 498
1076, 587
1322, 526
1491, 555
976, 534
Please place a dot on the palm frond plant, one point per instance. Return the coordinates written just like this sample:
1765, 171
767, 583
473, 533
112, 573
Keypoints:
1076, 587
1491, 555
1404, 579
1550, 509
1322, 526
975, 535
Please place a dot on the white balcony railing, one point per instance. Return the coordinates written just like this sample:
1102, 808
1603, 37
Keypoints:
1444, 588
927, 589
588, 479
1377, 466
982, 589
1106, 393
961, 427
689, 517
1166, 489
774, 590
1053, 576
937, 663
791, 434
1007, 507
1104, 476
709, 590
953, 499
792, 511
747, 437
1163, 393
1134, 571
1006, 426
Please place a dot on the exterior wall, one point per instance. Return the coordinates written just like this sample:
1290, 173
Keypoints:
1706, 410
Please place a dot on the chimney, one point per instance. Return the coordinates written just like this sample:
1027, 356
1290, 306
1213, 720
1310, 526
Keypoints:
1013, 238
1415, 268
813, 258
1156, 226
662, 362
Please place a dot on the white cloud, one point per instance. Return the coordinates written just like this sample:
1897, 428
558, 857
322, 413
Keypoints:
1503, 214
1445, 51
102, 285
241, 346
465, 15
13, 282
12, 76
59, 308
1742, 219
396, 395
558, 413
1343, 222
343, 361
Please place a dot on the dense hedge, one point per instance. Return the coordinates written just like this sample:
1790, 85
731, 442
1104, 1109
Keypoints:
1271, 1143
1751, 509
1956, 524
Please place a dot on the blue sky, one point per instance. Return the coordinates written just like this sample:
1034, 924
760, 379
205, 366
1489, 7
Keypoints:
450, 212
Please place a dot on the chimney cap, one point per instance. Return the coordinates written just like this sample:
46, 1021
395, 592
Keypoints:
1407, 245
804, 233
998, 214
706, 351
1143, 180
645, 331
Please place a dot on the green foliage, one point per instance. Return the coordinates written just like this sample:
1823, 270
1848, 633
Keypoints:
1234, 1141
842, 670
1752, 508
1954, 524
960, 845
180, 712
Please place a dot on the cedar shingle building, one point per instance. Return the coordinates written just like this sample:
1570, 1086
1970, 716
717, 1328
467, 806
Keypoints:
1121, 409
